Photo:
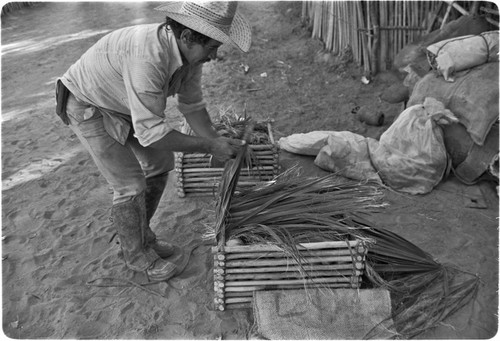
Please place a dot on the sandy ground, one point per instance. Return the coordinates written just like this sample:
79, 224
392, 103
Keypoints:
61, 276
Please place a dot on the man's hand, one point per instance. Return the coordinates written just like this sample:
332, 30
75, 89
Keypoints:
223, 148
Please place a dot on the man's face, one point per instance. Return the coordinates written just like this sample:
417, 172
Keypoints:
198, 53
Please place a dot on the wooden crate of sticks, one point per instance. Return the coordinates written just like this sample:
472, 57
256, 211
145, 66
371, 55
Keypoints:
241, 270
200, 174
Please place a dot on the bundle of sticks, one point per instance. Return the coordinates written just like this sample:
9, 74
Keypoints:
242, 269
199, 174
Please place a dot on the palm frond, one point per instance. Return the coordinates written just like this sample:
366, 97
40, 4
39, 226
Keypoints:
228, 183
293, 210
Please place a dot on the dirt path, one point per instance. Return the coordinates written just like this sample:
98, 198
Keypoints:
55, 205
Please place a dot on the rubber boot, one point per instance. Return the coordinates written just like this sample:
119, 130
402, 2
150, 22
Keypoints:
129, 220
154, 190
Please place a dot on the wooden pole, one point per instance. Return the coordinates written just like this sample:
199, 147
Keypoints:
239, 294
369, 27
457, 7
446, 15
412, 15
316, 20
355, 33
434, 17
352, 31
364, 38
196, 182
289, 275
250, 293
274, 262
489, 10
197, 163
391, 34
269, 286
376, 37
345, 25
329, 29
397, 23
259, 255
193, 195
293, 267
333, 23
203, 185
232, 306
383, 35
207, 176
300, 246
404, 38
216, 175
341, 29
231, 300
220, 170
300, 281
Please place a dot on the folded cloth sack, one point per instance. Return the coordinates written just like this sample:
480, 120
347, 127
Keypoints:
323, 314
461, 53
306, 143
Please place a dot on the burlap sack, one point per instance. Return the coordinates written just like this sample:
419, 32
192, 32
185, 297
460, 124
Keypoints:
323, 314
346, 154
461, 53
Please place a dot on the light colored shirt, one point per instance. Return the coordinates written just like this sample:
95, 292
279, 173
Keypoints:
129, 74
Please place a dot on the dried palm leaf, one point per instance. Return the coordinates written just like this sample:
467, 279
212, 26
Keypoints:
293, 210
233, 126
228, 184
230, 127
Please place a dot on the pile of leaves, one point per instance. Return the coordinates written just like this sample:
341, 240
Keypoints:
233, 126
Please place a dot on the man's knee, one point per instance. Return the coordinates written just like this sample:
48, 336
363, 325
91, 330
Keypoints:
128, 192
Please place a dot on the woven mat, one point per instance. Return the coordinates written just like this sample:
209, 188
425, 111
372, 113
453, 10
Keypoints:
321, 314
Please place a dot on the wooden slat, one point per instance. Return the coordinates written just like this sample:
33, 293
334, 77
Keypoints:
491, 21
301, 246
489, 10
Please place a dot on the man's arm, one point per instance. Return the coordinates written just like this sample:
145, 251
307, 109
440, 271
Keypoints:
220, 147
201, 123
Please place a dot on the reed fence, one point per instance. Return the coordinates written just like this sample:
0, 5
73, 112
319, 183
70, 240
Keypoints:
375, 31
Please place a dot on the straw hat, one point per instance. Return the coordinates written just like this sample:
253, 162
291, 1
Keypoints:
215, 19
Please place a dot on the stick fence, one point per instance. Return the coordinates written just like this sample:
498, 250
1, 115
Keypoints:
375, 31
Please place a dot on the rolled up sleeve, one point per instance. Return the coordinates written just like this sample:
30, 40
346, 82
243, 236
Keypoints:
190, 95
144, 88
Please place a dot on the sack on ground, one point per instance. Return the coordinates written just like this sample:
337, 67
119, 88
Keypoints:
346, 154
414, 53
323, 314
461, 53
411, 156
473, 97
306, 143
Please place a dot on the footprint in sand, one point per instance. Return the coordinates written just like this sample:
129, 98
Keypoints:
42, 258
9, 267
110, 262
196, 269
91, 330
40, 273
